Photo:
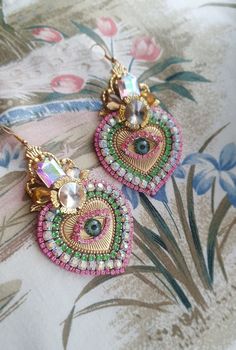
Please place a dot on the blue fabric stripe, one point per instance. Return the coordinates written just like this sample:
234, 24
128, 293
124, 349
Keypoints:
24, 114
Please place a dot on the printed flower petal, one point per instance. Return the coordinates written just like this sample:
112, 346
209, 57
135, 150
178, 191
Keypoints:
200, 158
180, 172
145, 49
202, 182
161, 195
228, 157
131, 195
228, 184
107, 26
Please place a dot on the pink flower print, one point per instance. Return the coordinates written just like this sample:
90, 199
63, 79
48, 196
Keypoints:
47, 34
145, 49
107, 26
67, 84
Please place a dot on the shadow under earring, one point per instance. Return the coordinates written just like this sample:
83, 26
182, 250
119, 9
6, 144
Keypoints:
137, 142
84, 226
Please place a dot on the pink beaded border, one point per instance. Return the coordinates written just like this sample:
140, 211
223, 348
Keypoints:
134, 136
121, 179
66, 266
80, 225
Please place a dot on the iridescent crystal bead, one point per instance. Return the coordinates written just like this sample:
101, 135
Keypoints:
92, 265
73, 172
90, 187
109, 159
118, 264
128, 177
49, 216
47, 235
74, 262
83, 265
51, 244
112, 122
109, 264
121, 255
121, 172
128, 86
49, 171
115, 166
99, 187
101, 265
65, 257
70, 195
57, 251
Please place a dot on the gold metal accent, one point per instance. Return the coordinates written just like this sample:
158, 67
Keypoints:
111, 98
144, 166
102, 246
11, 132
35, 188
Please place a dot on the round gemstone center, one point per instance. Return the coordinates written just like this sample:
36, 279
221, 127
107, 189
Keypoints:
70, 195
141, 146
93, 227
135, 112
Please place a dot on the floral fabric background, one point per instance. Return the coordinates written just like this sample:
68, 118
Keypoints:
179, 290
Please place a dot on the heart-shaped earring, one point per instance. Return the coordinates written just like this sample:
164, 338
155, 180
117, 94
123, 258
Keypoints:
137, 141
84, 225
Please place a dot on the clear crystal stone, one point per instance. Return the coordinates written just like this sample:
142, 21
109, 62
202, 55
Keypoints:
69, 195
135, 112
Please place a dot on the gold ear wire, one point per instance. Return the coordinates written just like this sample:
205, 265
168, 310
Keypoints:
106, 55
11, 132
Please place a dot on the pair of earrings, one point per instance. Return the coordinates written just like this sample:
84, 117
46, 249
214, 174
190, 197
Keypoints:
85, 226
